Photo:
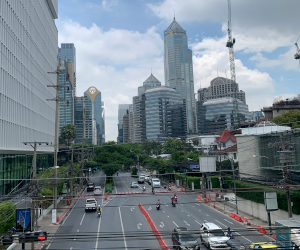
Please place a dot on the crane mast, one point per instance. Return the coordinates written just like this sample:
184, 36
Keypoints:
229, 44
297, 55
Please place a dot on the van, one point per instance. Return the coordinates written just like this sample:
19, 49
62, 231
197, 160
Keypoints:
155, 182
141, 179
213, 236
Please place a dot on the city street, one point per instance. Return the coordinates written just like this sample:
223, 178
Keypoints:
122, 224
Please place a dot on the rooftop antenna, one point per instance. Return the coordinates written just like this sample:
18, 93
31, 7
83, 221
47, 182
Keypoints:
151, 70
174, 14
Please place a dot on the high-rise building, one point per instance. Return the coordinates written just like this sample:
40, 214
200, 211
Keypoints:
215, 115
150, 83
179, 70
160, 114
121, 112
66, 94
126, 129
94, 95
131, 123
28, 48
220, 87
68, 51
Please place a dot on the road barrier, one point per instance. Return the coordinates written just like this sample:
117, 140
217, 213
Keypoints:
238, 218
199, 198
162, 243
105, 197
232, 215
246, 221
261, 229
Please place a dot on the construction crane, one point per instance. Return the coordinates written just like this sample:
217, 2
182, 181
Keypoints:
229, 45
297, 55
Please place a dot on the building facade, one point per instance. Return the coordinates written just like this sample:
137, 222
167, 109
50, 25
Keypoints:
150, 83
66, 93
162, 113
220, 87
98, 117
215, 115
28, 47
121, 112
178, 65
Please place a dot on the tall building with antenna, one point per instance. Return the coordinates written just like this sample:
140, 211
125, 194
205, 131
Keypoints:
178, 66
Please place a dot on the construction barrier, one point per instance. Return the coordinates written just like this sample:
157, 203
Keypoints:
162, 243
205, 200
199, 198
261, 229
274, 236
232, 215
181, 189
246, 221
214, 205
238, 218
105, 197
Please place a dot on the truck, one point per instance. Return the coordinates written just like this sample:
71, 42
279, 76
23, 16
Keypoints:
288, 234
90, 204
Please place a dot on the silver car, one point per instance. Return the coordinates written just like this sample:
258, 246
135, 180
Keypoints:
134, 185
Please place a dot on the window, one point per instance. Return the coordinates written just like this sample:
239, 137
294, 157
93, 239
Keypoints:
234, 156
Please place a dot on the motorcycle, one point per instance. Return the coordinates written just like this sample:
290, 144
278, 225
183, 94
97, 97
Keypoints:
157, 206
99, 213
144, 189
169, 188
174, 201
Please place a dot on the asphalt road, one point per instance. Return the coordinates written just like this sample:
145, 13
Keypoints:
123, 226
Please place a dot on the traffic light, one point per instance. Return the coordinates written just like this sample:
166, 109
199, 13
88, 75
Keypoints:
32, 236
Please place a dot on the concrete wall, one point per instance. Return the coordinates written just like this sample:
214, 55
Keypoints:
259, 211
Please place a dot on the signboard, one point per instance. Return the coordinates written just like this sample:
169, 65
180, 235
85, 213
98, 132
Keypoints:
271, 200
194, 166
23, 220
53, 216
207, 164
65, 188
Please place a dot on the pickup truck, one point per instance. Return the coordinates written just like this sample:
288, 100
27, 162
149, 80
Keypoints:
90, 204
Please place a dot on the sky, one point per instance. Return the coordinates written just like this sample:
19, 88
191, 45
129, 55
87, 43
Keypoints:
119, 42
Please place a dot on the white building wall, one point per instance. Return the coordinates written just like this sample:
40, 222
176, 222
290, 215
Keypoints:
28, 50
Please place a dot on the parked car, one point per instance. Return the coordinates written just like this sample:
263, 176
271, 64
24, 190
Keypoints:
134, 185
141, 179
90, 186
213, 236
90, 204
183, 239
98, 190
155, 182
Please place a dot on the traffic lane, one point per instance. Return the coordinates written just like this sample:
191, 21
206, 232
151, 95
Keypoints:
168, 217
98, 179
120, 184
136, 227
74, 227
208, 214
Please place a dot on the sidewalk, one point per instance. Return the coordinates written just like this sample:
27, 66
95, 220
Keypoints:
45, 221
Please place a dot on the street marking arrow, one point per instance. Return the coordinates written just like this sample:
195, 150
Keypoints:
186, 223
139, 225
131, 209
162, 225
149, 208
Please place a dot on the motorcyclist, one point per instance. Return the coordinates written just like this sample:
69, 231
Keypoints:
169, 186
152, 189
158, 203
117, 174
144, 188
99, 209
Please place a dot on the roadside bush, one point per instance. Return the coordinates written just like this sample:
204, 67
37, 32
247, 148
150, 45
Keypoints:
196, 180
134, 172
7, 216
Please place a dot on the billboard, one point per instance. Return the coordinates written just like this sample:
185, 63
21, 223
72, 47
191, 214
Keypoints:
23, 220
207, 164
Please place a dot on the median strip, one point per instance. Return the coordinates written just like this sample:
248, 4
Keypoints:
162, 243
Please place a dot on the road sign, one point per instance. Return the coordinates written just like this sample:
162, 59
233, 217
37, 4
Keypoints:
23, 218
194, 166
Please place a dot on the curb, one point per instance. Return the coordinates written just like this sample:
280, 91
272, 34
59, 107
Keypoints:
162, 243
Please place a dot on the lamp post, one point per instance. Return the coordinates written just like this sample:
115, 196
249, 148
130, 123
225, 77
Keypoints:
233, 171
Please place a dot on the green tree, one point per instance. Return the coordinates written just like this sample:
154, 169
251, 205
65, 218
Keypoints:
196, 142
290, 118
134, 171
67, 134
172, 145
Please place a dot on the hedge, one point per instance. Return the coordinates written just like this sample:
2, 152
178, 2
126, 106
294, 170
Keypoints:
7, 216
214, 179
259, 196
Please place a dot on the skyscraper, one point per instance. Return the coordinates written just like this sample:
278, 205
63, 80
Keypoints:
94, 95
68, 51
179, 70
121, 112
28, 48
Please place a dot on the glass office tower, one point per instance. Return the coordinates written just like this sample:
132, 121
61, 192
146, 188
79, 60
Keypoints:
179, 70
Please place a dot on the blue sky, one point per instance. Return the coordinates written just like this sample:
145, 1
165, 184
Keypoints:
119, 41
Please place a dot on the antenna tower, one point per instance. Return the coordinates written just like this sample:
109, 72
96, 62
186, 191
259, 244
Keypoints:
297, 55
229, 44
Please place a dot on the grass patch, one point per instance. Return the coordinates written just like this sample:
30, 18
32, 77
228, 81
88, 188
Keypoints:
108, 187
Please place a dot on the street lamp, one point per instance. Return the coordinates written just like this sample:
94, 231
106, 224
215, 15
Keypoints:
233, 171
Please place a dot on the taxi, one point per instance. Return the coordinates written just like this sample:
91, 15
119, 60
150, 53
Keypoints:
263, 245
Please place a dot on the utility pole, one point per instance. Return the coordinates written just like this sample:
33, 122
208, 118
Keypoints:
233, 171
57, 100
82, 144
71, 180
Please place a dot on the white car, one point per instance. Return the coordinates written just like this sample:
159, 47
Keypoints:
98, 190
213, 237
90, 204
155, 182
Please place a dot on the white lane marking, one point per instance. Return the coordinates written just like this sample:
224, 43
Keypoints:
77, 230
139, 225
82, 219
71, 248
198, 222
237, 233
168, 216
175, 224
149, 208
205, 220
68, 214
124, 201
162, 224
199, 210
186, 223
207, 214
163, 211
229, 221
221, 223
166, 204
246, 239
98, 232
182, 211
131, 209
188, 215
125, 244
193, 206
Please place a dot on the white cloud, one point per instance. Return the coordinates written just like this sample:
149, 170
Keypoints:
115, 61
106, 5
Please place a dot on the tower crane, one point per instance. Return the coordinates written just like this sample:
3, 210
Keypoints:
229, 45
297, 55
